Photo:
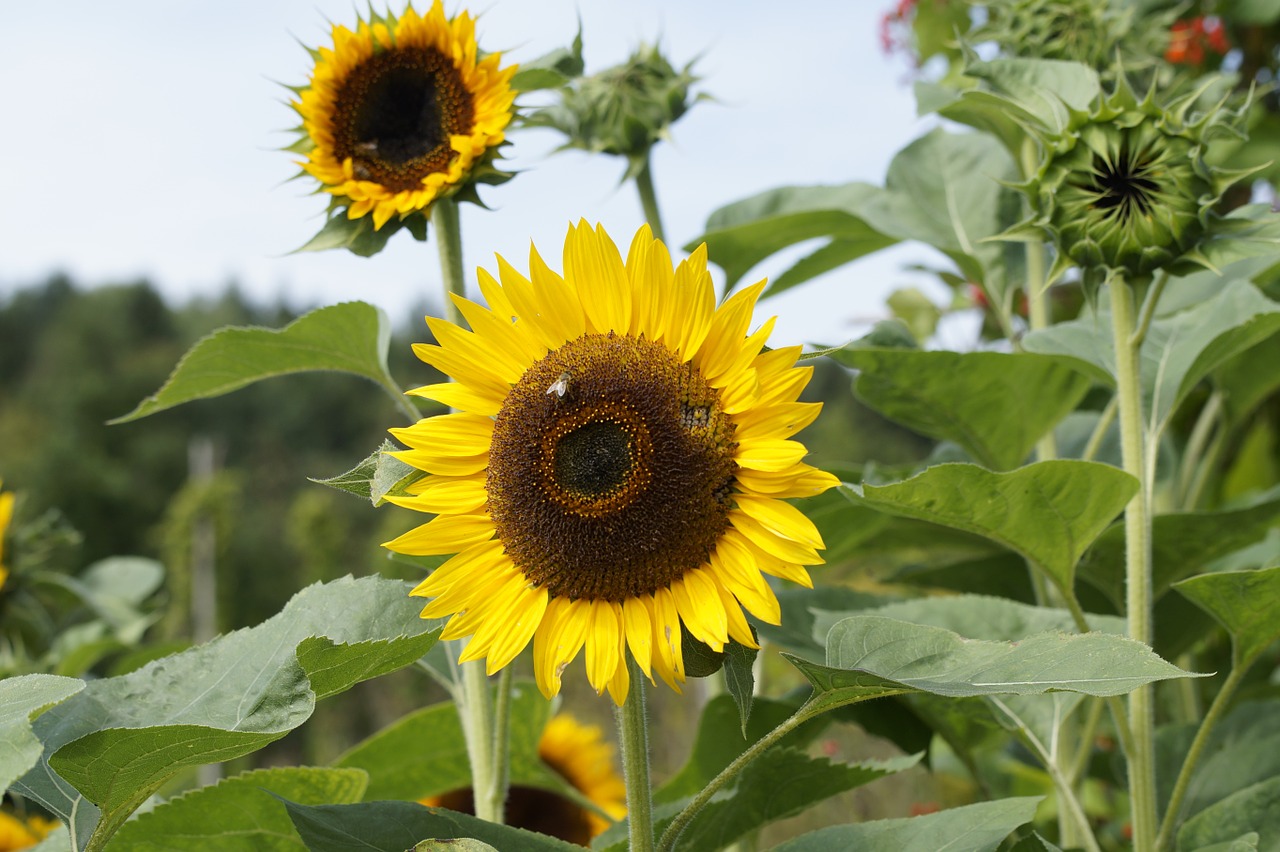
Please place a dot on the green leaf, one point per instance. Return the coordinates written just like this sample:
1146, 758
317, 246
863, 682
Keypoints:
120, 738
1243, 843
376, 477
972, 828
1252, 11
552, 69
796, 632
1249, 378
351, 337
239, 814
740, 678
458, 844
397, 826
357, 236
869, 656
23, 698
1049, 512
1255, 809
742, 234
1033, 842
393, 757
780, 783
1246, 603
1182, 543
1178, 351
718, 742
994, 404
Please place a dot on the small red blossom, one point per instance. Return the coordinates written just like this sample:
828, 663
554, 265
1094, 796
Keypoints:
893, 24
1189, 40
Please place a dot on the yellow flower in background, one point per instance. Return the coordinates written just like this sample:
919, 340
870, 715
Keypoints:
18, 834
402, 111
616, 465
579, 754
6, 515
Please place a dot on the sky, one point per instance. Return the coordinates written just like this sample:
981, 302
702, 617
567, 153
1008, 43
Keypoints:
143, 140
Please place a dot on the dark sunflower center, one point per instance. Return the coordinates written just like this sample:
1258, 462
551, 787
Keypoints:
1124, 185
594, 459
532, 809
611, 469
395, 113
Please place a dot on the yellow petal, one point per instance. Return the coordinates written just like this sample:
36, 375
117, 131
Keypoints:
593, 268
639, 632
771, 543
444, 534
771, 454
468, 566
728, 331
463, 397
700, 608
602, 643
781, 518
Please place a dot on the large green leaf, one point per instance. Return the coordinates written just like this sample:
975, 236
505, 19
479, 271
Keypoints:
1246, 603
869, 656
394, 756
115, 742
1049, 512
351, 337
239, 814
780, 783
397, 826
972, 828
742, 234
1253, 809
1249, 378
21, 699
994, 404
1179, 350
1182, 544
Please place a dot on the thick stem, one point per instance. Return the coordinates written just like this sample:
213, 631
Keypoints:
1197, 443
1137, 521
633, 739
501, 744
649, 198
476, 710
1216, 709
448, 227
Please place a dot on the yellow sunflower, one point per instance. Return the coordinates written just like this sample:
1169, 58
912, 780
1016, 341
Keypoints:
616, 465
579, 754
6, 515
18, 834
402, 111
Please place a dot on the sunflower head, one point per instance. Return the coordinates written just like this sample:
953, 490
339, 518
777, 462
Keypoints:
580, 755
398, 113
1125, 187
615, 468
624, 110
6, 515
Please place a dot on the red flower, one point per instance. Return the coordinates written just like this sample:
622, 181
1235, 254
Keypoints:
1188, 40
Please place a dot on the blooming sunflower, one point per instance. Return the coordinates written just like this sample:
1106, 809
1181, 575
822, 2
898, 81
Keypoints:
579, 754
616, 465
6, 515
18, 834
401, 112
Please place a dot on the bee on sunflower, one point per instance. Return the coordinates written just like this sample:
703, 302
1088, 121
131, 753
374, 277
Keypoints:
616, 465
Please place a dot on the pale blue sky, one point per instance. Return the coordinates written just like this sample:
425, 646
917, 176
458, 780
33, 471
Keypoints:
140, 140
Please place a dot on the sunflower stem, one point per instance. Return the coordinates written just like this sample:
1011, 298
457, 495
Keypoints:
502, 741
476, 710
1137, 522
649, 197
633, 739
448, 226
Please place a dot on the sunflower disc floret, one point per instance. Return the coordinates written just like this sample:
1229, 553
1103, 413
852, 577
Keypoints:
401, 112
616, 466
1126, 188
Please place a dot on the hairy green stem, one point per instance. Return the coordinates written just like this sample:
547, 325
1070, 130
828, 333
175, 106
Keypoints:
1148, 311
448, 227
1219, 706
476, 710
633, 740
649, 198
1099, 431
669, 837
1137, 521
1197, 442
501, 779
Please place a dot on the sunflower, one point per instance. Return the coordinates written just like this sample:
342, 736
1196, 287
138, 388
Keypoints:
402, 112
18, 833
615, 465
579, 754
6, 515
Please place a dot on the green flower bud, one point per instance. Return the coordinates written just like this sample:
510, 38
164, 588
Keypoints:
623, 110
1094, 32
1125, 187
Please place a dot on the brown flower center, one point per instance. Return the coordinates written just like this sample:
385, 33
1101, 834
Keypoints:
394, 115
611, 469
